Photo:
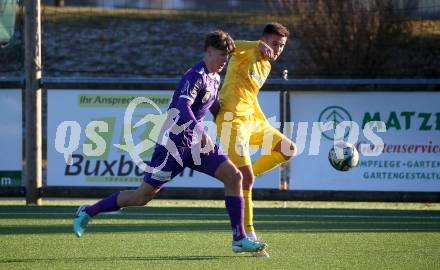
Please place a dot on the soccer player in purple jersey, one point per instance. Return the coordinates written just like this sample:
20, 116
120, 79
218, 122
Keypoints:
196, 93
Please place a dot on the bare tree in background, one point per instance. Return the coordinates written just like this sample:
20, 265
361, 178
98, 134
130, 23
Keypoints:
343, 37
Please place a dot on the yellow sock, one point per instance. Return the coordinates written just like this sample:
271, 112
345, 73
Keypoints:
248, 211
267, 162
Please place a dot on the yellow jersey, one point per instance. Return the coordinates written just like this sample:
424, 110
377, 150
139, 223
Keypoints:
245, 75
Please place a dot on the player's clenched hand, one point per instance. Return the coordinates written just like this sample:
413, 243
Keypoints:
207, 144
265, 50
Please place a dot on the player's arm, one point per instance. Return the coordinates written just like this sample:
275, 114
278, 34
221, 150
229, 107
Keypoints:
188, 94
265, 50
243, 46
187, 115
215, 107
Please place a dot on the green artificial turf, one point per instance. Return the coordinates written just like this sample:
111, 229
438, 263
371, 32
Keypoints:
195, 235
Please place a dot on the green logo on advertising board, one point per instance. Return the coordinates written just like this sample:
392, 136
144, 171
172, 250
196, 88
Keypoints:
335, 114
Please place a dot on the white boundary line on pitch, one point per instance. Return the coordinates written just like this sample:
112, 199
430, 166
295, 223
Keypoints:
221, 215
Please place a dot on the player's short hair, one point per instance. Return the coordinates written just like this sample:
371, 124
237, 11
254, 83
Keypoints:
277, 29
220, 40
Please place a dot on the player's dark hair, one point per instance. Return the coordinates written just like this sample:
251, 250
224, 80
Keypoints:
277, 29
220, 40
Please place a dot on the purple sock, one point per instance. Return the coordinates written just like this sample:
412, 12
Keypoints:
235, 207
108, 204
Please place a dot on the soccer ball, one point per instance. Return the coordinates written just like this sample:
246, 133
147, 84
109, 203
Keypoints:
343, 156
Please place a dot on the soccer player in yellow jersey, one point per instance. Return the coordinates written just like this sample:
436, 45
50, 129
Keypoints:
240, 121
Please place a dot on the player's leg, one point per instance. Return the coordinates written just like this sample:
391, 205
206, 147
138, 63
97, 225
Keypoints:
248, 182
281, 149
231, 178
145, 192
218, 165
244, 166
234, 136
138, 197
264, 136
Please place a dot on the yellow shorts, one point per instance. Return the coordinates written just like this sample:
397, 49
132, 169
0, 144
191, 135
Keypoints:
244, 135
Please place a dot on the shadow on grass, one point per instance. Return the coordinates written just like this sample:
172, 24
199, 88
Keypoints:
112, 259
197, 226
209, 213
186, 219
